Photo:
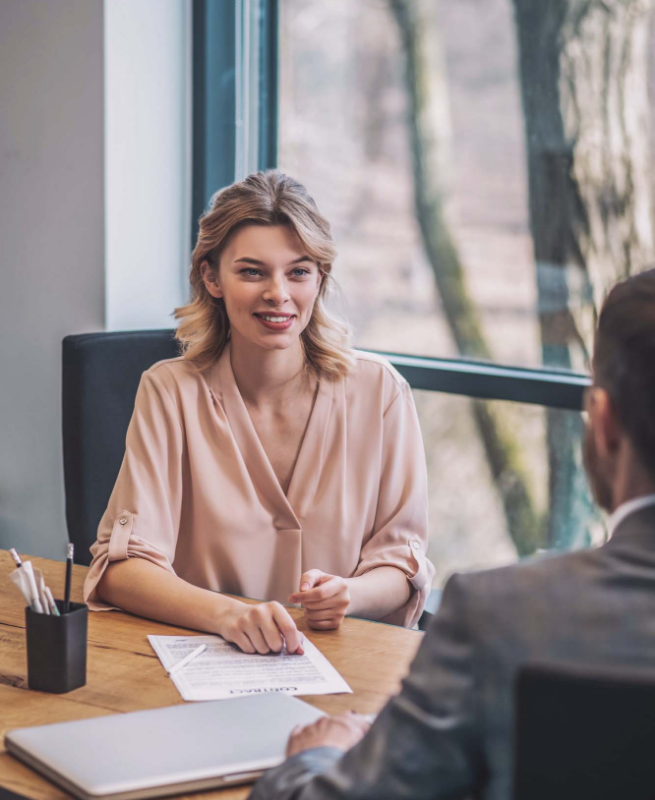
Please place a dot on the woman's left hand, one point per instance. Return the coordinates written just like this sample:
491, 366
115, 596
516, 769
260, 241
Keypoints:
326, 599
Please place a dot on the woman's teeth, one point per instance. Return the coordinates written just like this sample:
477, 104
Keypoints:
275, 319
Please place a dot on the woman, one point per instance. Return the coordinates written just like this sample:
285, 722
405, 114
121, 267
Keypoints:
270, 460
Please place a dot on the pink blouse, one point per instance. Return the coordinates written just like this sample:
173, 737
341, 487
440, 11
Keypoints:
196, 493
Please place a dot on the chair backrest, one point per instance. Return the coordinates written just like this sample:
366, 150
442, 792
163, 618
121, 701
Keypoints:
584, 733
101, 373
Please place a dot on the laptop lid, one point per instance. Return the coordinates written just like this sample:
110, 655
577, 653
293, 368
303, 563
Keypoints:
165, 751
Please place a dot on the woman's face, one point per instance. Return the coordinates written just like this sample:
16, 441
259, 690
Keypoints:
269, 284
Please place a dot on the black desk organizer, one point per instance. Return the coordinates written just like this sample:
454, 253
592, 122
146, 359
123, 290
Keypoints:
56, 649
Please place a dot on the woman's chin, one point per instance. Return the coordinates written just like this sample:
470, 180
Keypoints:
275, 341
266, 339
279, 344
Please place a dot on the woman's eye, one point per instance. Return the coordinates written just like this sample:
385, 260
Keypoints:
299, 272
250, 272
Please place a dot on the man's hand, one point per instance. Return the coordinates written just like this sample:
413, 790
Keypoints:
342, 731
261, 628
325, 598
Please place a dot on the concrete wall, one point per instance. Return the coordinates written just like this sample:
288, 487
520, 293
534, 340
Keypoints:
94, 214
51, 245
147, 160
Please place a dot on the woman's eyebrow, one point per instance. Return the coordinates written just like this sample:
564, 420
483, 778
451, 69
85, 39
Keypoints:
247, 260
257, 263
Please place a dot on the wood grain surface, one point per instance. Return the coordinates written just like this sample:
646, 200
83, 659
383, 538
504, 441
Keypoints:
124, 674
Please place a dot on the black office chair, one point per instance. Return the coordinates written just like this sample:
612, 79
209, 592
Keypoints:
6, 794
584, 734
101, 373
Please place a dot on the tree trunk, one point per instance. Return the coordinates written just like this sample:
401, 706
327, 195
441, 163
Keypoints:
583, 68
429, 121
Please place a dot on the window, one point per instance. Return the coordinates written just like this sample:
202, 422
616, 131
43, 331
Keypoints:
487, 511
485, 168
487, 180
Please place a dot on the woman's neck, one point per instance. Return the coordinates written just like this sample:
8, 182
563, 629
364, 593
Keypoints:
269, 377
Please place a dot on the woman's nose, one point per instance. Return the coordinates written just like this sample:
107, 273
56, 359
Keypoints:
276, 293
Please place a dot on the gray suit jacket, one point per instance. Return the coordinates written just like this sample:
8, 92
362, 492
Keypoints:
448, 734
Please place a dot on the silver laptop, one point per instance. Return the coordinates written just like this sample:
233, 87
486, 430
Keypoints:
174, 750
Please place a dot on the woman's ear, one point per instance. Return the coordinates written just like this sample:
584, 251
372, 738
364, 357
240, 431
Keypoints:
210, 279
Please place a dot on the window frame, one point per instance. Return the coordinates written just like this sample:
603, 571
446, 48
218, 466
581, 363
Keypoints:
217, 133
492, 381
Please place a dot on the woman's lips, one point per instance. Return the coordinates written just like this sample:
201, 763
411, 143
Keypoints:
276, 326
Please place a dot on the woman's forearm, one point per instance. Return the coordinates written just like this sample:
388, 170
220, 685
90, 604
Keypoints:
378, 592
141, 587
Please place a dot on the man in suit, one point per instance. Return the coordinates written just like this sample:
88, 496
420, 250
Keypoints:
448, 734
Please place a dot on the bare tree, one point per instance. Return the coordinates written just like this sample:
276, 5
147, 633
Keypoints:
583, 68
429, 122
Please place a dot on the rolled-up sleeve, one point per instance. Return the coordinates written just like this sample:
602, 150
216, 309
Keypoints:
400, 535
143, 516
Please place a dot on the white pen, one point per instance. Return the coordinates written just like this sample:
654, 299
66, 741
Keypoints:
40, 590
20, 579
187, 659
51, 602
31, 582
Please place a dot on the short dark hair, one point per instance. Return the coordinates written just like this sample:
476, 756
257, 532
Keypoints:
624, 359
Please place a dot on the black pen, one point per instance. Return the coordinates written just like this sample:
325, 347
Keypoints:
69, 574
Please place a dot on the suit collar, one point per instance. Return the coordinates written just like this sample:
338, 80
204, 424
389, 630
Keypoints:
639, 523
627, 509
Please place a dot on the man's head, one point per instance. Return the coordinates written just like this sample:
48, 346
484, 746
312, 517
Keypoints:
620, 437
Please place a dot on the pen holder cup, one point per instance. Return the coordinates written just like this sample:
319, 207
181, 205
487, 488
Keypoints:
56, 649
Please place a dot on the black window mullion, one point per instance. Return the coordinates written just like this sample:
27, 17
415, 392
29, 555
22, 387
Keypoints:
552, 388
214, 102
268, 83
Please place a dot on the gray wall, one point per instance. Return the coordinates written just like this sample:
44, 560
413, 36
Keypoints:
51, 245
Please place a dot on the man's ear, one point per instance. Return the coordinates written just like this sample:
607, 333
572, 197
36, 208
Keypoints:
210, 279
603, 419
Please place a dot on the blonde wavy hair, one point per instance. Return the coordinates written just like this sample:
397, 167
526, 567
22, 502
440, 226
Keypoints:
264, 198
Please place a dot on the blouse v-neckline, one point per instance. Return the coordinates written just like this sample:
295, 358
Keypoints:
293, 505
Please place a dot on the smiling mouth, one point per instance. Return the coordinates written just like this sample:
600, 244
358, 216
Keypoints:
275, 317
275, 323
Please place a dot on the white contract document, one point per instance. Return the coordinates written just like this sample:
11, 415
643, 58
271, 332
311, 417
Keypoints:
224, 671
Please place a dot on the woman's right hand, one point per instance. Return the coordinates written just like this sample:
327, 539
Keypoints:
261, 628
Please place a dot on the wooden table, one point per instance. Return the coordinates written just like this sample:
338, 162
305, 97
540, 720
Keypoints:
124, 674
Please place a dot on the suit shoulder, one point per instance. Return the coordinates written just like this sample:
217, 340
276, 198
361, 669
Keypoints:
538, 577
